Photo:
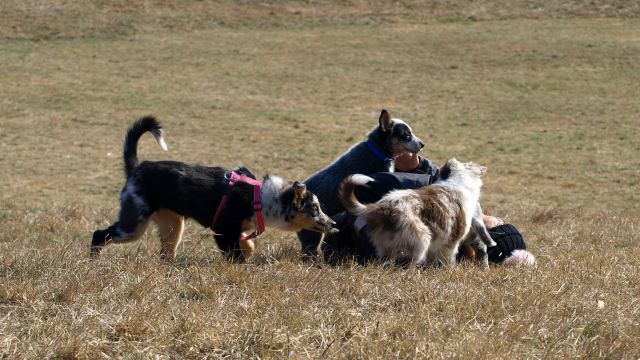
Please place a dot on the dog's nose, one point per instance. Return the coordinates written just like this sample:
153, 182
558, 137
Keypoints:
421, 144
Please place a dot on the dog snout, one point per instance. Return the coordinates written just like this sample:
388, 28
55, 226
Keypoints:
326, 219
419, 142
415, 145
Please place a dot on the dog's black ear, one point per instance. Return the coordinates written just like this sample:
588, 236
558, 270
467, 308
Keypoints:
385, 121
444, 172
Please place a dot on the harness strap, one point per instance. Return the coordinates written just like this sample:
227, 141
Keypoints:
387, 161
233, 178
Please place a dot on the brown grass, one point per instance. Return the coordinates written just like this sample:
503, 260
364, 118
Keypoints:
57, 19
545, 93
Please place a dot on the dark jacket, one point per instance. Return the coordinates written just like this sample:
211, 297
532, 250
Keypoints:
425, 174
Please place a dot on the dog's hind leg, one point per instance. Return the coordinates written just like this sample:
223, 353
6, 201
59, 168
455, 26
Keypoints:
310, 241
170, 228
132, 223
117, 234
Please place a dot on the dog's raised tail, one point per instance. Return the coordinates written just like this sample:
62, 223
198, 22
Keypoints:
347, 196
130, 154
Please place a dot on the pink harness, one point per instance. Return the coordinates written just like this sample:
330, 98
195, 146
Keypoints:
233, 177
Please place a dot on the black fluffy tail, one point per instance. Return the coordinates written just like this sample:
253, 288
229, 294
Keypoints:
141, 126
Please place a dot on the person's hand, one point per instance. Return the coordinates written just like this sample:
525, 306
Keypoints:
407, 162
492, 221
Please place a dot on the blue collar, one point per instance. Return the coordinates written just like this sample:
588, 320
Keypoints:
387, 161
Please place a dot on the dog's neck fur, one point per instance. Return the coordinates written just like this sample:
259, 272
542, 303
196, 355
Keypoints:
468, 186
378, 139
272, 208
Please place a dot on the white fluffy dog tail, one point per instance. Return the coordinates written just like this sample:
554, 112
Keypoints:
347, 195
520, 257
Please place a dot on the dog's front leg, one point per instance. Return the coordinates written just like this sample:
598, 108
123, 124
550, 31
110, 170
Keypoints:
480, 250
478, 226
310, 241
228, 240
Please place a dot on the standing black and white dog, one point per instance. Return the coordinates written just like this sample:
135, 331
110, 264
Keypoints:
388, 140
168, 191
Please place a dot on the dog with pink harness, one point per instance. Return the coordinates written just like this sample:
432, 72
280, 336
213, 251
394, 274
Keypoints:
227, 201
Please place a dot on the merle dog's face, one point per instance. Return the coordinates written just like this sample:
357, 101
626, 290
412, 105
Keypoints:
303, 210
398, 135
469, 168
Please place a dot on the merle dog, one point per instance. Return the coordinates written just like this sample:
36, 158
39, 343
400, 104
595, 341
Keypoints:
168, 191
424, 225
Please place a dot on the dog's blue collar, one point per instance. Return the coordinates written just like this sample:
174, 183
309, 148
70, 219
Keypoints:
379, 154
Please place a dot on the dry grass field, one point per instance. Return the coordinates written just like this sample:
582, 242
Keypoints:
543, 92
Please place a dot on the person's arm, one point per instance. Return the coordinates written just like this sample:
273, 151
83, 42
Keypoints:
413, 172
415, 164
427, 167
408, 162
373, 191
491, 221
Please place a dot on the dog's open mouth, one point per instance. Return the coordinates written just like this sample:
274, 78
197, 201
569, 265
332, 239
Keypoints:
413, 147
412, 151
325, 229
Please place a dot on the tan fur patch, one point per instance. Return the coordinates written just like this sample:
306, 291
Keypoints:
247, 247
468, 253
170, 228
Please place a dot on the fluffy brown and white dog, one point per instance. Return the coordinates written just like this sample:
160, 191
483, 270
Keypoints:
423, 226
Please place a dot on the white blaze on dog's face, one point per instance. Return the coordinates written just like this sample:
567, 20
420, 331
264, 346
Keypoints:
476, 169
469, 168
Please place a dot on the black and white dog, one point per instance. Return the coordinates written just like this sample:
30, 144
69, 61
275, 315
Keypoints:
391, 138
168, 191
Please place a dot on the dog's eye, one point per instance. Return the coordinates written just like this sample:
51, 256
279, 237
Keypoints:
312, 209
405, 137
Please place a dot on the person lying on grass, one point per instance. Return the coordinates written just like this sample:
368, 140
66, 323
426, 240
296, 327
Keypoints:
413, 171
